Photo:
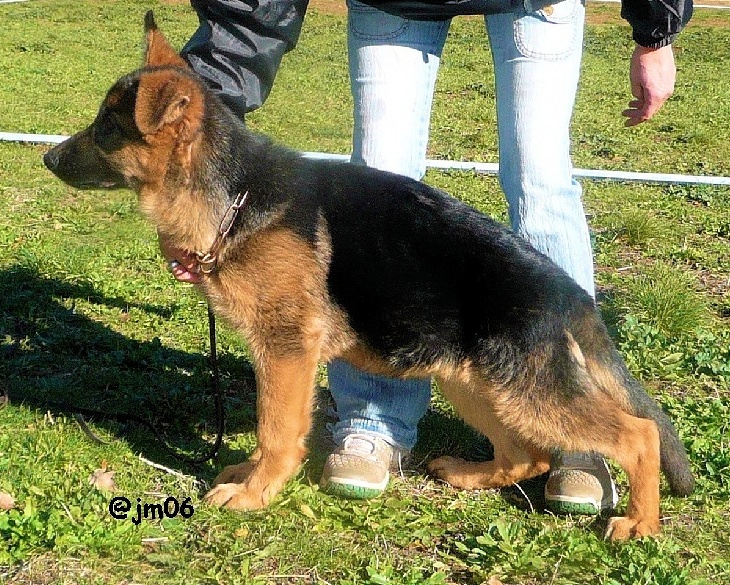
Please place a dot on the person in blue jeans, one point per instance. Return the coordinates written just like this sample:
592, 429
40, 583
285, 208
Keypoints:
394, 50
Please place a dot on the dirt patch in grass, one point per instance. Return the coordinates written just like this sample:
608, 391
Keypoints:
46, 569
717, 286
329, 6
49, 569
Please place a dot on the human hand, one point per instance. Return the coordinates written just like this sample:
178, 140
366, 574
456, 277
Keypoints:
652, 76
183, 264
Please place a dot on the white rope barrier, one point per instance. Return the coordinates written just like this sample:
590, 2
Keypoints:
478, 167
32, 138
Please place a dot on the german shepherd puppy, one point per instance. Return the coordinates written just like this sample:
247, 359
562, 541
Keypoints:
330, 260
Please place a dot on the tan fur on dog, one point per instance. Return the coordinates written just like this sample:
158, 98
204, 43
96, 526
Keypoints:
532, 368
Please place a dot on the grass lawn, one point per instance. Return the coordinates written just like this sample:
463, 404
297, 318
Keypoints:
89, 316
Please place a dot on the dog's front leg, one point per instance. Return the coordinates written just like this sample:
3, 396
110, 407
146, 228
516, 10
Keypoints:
285, 397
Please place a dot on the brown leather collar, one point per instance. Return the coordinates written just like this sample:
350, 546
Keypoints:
209, 260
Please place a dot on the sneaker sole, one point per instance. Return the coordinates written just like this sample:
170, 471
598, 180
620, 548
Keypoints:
351, 492
354, 489
573, 506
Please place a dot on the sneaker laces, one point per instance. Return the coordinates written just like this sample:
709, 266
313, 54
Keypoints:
399, 455
360, 445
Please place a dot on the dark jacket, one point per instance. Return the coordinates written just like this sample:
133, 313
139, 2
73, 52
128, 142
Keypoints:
239, 45
655, 23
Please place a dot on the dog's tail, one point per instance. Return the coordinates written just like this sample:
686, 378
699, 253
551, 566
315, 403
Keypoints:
610, 374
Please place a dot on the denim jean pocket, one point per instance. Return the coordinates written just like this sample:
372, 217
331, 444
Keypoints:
551, 33
370, 24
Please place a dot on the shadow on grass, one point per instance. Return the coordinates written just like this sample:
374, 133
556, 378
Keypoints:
54, 359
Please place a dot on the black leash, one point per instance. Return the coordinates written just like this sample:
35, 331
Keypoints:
79, 414
208, 263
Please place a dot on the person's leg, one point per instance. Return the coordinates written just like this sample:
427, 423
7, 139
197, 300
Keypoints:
537, 64
393, 66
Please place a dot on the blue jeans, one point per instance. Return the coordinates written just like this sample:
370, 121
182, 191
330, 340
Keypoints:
393, 67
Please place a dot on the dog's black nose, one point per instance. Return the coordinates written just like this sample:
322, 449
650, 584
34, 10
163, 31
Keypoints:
50, 159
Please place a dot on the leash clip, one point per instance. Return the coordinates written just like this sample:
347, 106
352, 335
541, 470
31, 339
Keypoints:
206, 262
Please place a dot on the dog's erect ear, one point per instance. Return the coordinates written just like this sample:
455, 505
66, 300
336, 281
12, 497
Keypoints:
158, 51
168, 97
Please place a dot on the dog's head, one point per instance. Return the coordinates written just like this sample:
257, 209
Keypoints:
145, 129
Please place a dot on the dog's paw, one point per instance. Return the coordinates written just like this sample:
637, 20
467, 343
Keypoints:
235, 496
235, 473
456, 472
624, 527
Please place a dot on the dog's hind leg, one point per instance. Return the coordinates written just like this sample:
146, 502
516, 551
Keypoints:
513, 462
285, 388
595, 422
637, 452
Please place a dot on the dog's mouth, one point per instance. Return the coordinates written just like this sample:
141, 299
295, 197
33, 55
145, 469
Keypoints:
82, 172
93, 184
103, 185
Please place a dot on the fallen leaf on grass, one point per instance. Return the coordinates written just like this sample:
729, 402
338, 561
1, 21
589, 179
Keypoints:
308, 512
152, 545
102, 479
7, 502
494, 581
241, 532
